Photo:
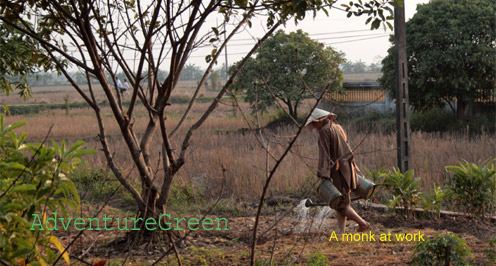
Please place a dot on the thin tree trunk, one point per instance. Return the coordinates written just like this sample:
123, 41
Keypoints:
461, 106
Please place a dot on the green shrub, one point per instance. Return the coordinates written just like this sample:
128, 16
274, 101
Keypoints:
317, 260
491, 252
433, 120
473, 187
33, 181
447, 249
432, 202
403, 187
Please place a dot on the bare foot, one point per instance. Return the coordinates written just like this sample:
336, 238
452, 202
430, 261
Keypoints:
363, 227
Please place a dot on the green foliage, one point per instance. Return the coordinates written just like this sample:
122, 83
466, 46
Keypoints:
317, 259
434, 120
491, 252
377, 177
450, 54
33, 180
98, 185
403, 187
192, 72
473, 187
203, 256
447, 249
432, 202
184, 195
288, 68
283, 10
19, 57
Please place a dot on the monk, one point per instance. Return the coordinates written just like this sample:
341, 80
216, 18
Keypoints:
334, 147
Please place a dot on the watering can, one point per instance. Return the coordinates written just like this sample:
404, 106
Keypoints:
330, 195
365, 188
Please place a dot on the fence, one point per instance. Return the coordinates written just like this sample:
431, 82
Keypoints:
356, 94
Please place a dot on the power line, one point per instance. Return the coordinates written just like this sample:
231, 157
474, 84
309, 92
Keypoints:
330, 38
251, 43
242, 53
358, 40
311, 34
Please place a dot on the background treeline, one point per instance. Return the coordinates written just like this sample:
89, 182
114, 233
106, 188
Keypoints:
190, 72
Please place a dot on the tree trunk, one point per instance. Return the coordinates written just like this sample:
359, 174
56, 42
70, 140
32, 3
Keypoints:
461, 106
291, 109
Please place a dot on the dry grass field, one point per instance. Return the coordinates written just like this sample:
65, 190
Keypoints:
226, 141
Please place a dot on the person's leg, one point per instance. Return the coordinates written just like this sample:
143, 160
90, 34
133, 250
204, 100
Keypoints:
362, 224
341, 222
345, 209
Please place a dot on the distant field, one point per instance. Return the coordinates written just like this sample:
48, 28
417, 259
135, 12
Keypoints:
56, 94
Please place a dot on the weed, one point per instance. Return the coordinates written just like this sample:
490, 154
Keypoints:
432, 202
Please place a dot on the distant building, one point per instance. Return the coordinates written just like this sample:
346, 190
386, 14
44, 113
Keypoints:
358, 97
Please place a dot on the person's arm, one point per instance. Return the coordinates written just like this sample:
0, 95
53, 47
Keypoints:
325, 159
340, 144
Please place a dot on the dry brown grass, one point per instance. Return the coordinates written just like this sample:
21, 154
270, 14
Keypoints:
221, 142
224, 140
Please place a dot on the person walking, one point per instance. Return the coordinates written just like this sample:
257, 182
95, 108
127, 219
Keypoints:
125, 88
333, 147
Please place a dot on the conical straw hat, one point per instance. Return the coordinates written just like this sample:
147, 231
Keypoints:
318, 114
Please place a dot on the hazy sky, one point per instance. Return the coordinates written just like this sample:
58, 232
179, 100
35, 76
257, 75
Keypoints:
349, 35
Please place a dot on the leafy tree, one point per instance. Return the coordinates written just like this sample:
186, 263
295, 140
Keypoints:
375, 68
450, 48
33, 183
359, 67
288, 67
191, 72
162, 34
19, 56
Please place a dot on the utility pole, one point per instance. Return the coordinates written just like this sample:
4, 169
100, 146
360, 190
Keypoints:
225, 49
401, 81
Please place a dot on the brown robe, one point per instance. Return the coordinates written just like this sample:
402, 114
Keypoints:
333, 143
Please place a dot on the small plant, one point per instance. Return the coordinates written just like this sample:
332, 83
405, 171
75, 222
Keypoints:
376, 177
473, 187
432, 202
447, 249
491, 252
317, 260
403, 187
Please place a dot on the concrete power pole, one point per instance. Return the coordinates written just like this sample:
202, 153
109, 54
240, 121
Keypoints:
401, 81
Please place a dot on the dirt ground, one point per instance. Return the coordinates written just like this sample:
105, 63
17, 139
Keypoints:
293, 241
